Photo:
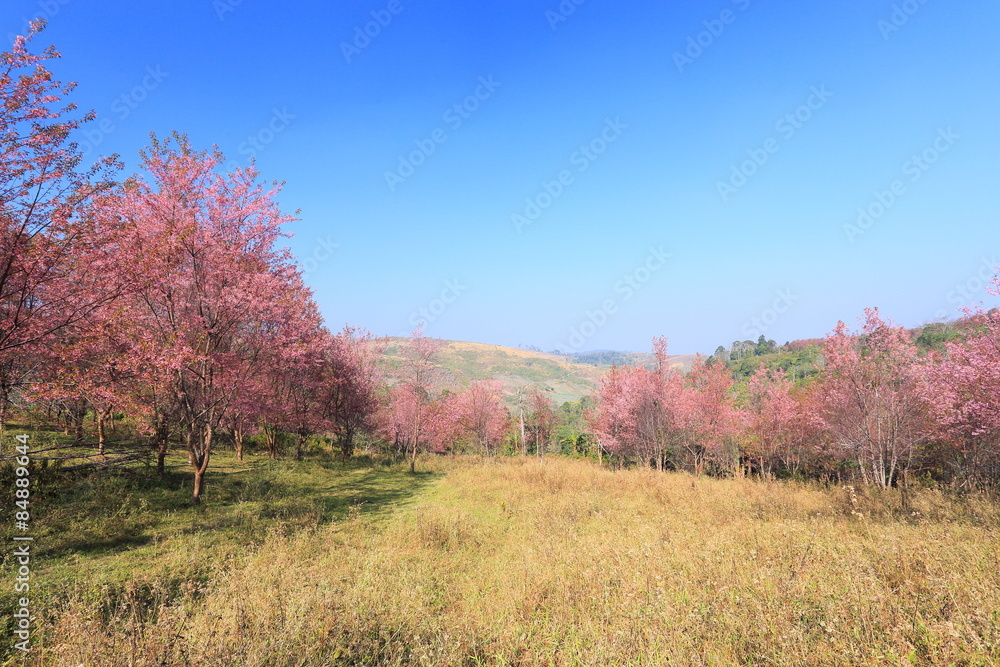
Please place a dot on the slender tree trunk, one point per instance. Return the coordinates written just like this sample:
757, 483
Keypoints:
78, 426
3, 410
346, 446
99, 416
904, 490
161, 455
201, 457
238, 442
271, 441
298, 446
189, 444
416, 439
524, 444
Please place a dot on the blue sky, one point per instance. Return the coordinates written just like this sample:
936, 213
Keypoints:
611, 172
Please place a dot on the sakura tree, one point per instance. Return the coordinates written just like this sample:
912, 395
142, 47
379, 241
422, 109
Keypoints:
42, 193
963, 390
219, 302
710, 418
772, 420
419, 372
541, 423
351, 386
480, 415
872, 402
641, 413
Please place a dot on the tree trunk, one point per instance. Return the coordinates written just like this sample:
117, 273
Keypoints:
78, 426
99, 417
202, 455
160, 442
271, 441
524, 445
346, 446
238, 442
298, 446
416, 440
161, 455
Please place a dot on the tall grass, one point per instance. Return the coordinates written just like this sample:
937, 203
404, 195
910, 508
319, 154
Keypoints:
519, 562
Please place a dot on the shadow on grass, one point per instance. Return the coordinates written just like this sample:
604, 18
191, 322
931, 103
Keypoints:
101, 513
99, 545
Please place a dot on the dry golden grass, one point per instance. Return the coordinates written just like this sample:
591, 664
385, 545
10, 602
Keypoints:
516, 562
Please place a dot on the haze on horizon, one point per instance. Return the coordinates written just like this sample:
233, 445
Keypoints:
582, 176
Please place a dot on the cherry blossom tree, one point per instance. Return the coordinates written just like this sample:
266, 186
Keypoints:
541, 423
480, 415
963, 391
42, 193
419, 372
710, 418
352, 385
773, 420
642, 413
220, 303
872, 403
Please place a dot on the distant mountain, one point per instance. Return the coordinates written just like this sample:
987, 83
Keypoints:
563, 377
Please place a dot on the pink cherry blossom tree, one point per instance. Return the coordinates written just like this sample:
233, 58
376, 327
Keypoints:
419, 374
220, 303
773, 421
872, 403
963, 391
352, 386
46, 280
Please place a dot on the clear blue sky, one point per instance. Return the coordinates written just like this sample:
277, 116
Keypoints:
868, 84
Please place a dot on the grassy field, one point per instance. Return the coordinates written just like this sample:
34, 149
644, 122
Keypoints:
507, 562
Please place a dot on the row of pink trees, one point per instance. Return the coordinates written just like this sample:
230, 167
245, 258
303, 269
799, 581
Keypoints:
167, 297
419, 415
212, 326
662, 418
878, 407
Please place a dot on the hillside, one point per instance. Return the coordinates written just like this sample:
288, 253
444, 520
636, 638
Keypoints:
564, 377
